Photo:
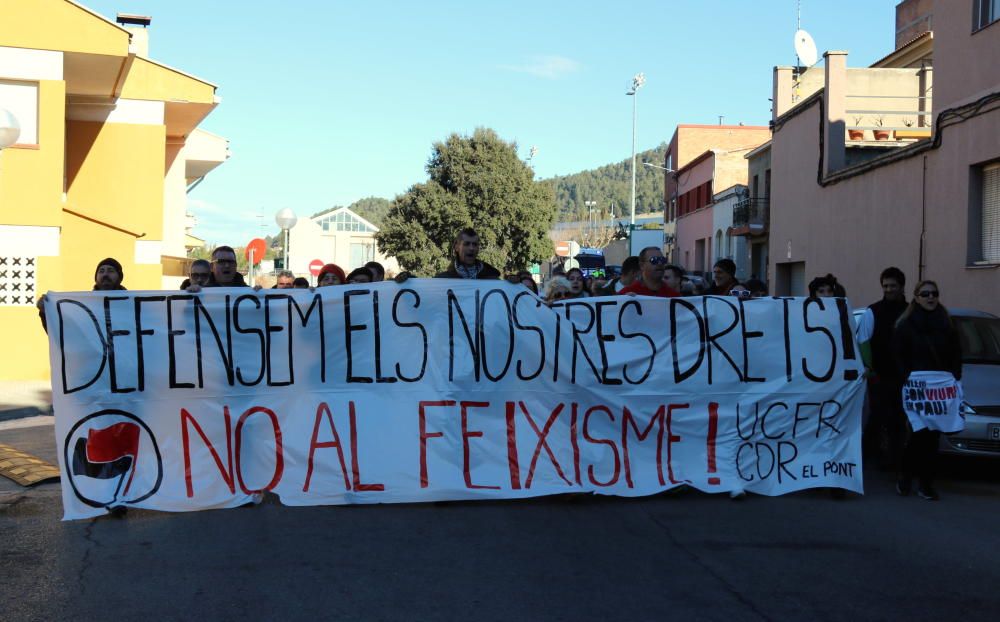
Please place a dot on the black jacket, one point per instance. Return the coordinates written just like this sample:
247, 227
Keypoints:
486, 272
885, 314
238, 281
927, 341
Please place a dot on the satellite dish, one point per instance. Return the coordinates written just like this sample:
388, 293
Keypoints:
805, 48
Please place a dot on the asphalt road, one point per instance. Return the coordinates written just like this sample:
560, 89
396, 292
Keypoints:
684, 556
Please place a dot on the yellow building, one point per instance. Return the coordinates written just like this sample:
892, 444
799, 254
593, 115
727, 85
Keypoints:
109, 146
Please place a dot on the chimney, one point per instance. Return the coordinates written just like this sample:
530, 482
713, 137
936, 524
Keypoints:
913, 18
138, 27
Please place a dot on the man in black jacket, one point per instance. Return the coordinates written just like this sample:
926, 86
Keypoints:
883, 435
224, 272
465, 262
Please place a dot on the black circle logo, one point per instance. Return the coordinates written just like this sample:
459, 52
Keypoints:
104, 452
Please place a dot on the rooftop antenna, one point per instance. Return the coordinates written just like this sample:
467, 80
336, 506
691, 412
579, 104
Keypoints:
805, 47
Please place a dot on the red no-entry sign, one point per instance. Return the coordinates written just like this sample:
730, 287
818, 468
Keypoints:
315, 266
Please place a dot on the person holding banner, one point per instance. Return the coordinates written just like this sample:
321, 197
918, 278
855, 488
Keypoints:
331, 274
360, 275
577, 283
652, 266
930, 360
377, 270
199, 272
224, 273
107, 277
286, 280
723, 277
465, 262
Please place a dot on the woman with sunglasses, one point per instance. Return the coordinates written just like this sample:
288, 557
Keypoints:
924, 340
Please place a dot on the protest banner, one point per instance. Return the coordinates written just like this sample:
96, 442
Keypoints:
933, 400
443, 389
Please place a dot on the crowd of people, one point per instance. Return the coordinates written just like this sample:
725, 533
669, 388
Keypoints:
897, 337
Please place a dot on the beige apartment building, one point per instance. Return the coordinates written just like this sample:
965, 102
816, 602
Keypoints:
925, 194
688, 143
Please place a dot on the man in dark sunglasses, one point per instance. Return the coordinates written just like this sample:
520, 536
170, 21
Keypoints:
652, 265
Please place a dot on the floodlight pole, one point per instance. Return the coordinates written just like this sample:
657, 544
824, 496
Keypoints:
637, 81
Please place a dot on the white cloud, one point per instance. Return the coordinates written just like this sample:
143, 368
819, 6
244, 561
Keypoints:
547, 67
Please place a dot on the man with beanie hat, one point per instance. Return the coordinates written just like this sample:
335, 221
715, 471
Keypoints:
108, 275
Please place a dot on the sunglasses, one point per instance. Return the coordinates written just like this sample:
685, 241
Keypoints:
739, 293
560, 295
657, 261
927, 295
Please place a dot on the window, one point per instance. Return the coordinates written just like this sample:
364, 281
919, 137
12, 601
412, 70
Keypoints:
991, 214
361, 253
17, 281
344, 221
986, 12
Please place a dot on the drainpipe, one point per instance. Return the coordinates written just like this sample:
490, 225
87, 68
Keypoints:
923, 222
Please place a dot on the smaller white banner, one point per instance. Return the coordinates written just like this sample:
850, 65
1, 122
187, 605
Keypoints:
933, 400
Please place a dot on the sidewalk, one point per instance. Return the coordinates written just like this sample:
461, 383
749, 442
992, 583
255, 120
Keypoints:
26, 425
24, 398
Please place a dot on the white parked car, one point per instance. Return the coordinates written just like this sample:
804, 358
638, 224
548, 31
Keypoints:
979, 335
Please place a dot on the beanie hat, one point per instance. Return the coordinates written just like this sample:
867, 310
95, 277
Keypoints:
332, 268
110, 261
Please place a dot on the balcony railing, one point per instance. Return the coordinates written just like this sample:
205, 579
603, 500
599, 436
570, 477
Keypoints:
752, 214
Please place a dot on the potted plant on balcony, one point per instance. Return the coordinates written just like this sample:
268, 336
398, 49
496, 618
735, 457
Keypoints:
911, 132
856, 133
880, 134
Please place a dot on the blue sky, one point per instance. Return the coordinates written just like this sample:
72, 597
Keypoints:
327, 102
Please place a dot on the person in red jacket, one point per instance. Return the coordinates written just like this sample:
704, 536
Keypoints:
652, 265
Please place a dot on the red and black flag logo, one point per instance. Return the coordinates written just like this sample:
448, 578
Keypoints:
108, 453
103, 453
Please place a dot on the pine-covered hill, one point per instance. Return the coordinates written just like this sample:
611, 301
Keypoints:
609, 184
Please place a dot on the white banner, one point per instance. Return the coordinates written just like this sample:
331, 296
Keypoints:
442, 389
933, 400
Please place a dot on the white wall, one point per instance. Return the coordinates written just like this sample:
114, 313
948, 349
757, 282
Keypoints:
737, 249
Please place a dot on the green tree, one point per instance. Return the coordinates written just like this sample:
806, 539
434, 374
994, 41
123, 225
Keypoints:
420, 227
476, 181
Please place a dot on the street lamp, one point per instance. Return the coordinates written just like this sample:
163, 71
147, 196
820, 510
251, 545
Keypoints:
286, 219
10, 129
662, 168
637, 82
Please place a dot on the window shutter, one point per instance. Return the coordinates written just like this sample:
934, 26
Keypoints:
991, 213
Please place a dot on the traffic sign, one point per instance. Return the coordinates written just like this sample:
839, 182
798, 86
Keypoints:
315, 266
257, 248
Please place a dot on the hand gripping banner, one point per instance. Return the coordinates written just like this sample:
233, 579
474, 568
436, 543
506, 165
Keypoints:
444, 389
